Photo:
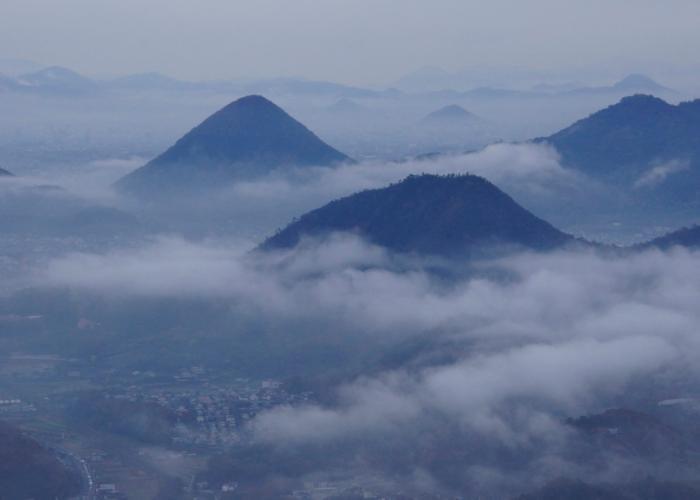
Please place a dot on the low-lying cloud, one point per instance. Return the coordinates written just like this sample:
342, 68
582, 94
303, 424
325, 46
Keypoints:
527, 169
509, 347
659, 173
524, 341
557, 296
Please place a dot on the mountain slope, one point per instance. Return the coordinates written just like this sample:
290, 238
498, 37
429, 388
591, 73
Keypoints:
427, 214
27, 470
624, 141
645, 152
5, 173
248, 138
688, 237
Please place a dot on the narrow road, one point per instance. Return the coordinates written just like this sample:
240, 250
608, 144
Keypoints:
79, 464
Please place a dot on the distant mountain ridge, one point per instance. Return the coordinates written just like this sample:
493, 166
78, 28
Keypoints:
54, 80
468, 83
427, 214
432, 82
246, 139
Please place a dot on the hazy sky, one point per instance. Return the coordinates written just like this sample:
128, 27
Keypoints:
354, 41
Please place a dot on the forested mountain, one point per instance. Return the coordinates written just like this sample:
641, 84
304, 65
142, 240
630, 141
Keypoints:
428, 214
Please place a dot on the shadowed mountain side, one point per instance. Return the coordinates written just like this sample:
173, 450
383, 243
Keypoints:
428, 214
27, 470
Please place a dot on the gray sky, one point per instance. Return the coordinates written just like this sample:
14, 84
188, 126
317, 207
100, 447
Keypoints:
353, 41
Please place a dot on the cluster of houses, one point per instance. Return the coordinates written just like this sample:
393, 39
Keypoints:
213, 415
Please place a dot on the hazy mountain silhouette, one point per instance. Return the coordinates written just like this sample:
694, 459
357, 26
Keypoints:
639, 83
346, 106
450, 116
428, 214
56, 79
4, 173
248, 138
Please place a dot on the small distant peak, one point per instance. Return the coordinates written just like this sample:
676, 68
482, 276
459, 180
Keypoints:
638, 81
346, 105
57, 79
454, 109
451, 112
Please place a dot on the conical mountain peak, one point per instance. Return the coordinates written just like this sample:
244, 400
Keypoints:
245, 139
427, 214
